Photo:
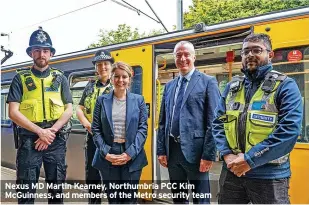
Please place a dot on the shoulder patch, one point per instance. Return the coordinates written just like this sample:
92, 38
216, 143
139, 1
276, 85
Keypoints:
24, 71
55, 69
236, 83
275, 75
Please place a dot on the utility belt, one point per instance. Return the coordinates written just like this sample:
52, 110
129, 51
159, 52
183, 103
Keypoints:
46, 124
20, 132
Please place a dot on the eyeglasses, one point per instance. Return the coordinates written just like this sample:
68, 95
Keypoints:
255, 51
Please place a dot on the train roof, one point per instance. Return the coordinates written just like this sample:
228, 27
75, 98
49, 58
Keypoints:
178, 34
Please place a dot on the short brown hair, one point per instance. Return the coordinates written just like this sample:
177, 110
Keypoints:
122, 66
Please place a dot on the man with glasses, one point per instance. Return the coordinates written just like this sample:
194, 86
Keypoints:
40, 103
257, 124
185, 144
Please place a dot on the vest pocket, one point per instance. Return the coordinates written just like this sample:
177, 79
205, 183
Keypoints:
254, 138
230, 128
56, 108
29, 109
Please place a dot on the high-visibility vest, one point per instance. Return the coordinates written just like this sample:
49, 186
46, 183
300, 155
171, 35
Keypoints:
262, 113
92, 93
41, 100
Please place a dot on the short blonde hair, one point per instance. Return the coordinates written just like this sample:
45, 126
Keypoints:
122, 66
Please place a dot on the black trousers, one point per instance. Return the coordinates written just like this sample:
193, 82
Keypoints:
242, 190
92, 174
29, 162
119, 176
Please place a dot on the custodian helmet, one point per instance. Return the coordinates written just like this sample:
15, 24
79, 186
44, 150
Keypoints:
40, 39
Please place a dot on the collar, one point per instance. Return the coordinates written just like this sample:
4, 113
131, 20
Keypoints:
187, 76
100, 84
259, 74
40, 74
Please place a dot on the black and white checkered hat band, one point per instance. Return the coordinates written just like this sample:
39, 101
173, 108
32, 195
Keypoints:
102, 58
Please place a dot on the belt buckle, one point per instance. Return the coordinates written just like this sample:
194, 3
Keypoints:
177, 139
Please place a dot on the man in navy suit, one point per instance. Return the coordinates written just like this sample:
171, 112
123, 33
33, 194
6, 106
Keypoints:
185, 144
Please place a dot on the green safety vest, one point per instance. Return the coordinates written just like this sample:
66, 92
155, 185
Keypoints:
92, 93
262, 113
41, 100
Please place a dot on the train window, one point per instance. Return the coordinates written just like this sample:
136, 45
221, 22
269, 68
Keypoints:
295, 63
76, 95
78, 82
5, 120
136, 86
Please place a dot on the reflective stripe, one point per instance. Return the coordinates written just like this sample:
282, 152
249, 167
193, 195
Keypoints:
280, 160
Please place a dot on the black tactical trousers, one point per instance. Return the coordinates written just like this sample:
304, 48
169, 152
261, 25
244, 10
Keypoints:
29, 162
243, 190
92, 174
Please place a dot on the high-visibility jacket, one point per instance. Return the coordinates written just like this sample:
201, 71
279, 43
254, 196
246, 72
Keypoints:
41, 100
262, 113
92, 93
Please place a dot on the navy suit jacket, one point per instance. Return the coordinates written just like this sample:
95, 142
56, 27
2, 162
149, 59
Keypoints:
136, 131
196, 116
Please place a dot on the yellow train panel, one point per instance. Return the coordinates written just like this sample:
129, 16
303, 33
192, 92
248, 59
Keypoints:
299, 183
286, 33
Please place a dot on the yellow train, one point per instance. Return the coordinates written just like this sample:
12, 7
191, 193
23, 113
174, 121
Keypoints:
153, 64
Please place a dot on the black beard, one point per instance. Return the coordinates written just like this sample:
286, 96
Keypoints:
40, 64
258, 64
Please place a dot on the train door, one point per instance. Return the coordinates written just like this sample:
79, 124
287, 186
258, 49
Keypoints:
140, 59
77, 142
211, 59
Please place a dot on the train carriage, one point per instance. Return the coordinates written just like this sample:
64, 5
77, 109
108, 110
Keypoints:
218, 54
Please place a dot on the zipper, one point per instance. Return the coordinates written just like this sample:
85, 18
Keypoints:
44, 114
244, 114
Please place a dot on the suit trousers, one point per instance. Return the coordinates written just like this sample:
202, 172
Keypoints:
182, 173
120, 184
92, 174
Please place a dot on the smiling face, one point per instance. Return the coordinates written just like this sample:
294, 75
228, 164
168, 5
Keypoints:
103, 69
120, 79
184, 58
255, 55
41, 57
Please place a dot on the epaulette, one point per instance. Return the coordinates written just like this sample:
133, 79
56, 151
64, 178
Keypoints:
24, 71
91, 80
269, 83
90, 87
55, 69
236, 83
276, 75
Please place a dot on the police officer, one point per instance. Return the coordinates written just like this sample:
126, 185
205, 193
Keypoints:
40, 104
103, 63
258, 121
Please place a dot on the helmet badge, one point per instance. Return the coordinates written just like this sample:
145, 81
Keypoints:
104, 56
41, 37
